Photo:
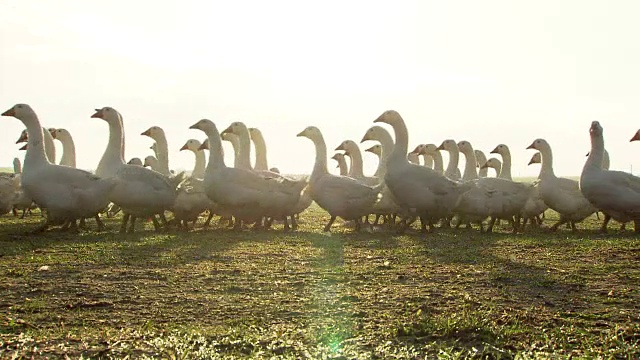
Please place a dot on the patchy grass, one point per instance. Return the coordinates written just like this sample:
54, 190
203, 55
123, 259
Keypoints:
218, 293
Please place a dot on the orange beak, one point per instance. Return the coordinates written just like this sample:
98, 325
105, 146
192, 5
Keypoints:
635, 137
416, 150
98, 114
10, 112
184, 147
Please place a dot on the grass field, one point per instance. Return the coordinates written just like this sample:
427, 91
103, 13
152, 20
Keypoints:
219, 293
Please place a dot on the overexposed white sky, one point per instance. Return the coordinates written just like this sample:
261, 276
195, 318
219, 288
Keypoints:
488, 72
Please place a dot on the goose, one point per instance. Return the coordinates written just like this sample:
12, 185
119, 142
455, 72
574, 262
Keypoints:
416, 189
493, 163
490, 197
452, 171
352, 150
67, 193
413, 158
342, 163
239, 161
49, 146
275, 170
261, 150
135, 161
338, 195
615, 193
503, 150
535, 207
162, 148
246, 194
377, 150
17, 166
193, 145
482, 159
68, 146
386, 205
21, 200
607, 218
141, 192
560, 194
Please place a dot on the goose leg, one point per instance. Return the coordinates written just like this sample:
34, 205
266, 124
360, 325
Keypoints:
294, 223
573, 226
123, 225
492, 222
99, 223
556, 225
237, 225
605, 223
83, 224
327, 227
162, 218
73, 227
24, 212
286, 223
208, 221
156, 224
132, 224
636, 226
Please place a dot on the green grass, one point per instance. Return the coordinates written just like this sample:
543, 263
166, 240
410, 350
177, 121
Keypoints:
218, 293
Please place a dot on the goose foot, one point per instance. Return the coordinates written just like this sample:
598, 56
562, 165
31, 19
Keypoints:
328, 226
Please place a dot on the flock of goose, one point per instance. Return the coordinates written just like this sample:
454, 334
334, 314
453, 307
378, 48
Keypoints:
401, 187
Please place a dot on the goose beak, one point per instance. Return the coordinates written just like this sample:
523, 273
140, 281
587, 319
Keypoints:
365, 138
194, 126
146, 132
441, 147
635, 137
340, 147
301, 133
24, 147
532, 146
98, 114
370, 149
484, 166
416, 150
10, 112
494, 151
227, 131
184, 147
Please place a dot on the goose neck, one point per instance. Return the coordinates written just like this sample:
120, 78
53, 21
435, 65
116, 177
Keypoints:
68, 152
261, 152
35, 149
320, 165
505, 171
198, 170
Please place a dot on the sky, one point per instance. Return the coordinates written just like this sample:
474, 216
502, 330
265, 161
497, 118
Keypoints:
488, 72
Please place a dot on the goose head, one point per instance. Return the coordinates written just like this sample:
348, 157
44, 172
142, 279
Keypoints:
205, 125
636, 137
275, 170
448, 145
535, 159
191, 144
150, 161
236, 128
255, 133
60, 134
500, 149
154, 132
349, 147
413, 158
22, 112
205, 145
52, 131
595, 129
375, 149
429, 149
538, 144
374, 133
24, 137
311, 132
108, 114
465, 147
492, 163
419, 149
135, 161
480, 157
390, 117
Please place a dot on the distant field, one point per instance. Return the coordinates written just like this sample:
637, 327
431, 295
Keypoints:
6, 169
218, 293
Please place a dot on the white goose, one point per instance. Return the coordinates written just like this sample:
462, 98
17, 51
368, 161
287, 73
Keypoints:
162, 148
152, 162
67, 193
261, 150
560, 194
416, 189
338, 195
493, 163
535, 207
193, 145
135, 161
342, 163
431, 150
503, 150
141, 192
68, 146
616, 193
244, 148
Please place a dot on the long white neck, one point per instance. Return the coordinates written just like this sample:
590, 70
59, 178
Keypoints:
68, 151
35, 155
606, 161
546, 155
356, 162
401, 145
198, 169
428, 160
113, 156
438, 164
497, 166
454, 159
470, 169
49, 146
244, 150
216, 154
342, 165
162, 151
320, 165
596, 155
505, 172
261, 151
